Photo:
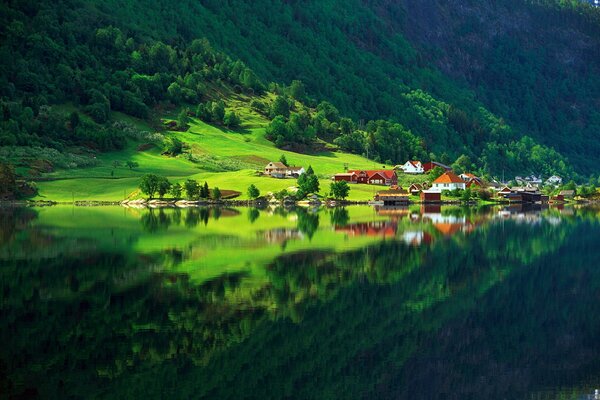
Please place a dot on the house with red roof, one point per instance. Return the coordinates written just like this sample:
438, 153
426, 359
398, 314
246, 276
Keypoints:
412, 167
369, 177
428, 166
448, 181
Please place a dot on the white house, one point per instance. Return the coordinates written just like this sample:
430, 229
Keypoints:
554, 180
412, 167
448, 181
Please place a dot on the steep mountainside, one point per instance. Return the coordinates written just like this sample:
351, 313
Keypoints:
488, 80
534, 63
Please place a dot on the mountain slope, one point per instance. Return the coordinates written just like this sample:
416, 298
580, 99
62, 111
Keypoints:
533, 63
379, 59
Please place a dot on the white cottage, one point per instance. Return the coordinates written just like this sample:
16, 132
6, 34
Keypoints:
412, 167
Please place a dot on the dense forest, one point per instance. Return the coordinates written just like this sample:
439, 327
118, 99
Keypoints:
373, 78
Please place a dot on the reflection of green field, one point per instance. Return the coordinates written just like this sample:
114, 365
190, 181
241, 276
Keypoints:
228, 245
246, 152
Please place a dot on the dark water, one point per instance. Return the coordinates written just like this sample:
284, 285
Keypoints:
349, 303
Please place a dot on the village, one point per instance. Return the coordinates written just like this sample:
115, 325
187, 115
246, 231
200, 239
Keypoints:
445, 186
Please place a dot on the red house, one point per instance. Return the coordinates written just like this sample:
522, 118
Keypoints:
428, 166
369, 177
431, 197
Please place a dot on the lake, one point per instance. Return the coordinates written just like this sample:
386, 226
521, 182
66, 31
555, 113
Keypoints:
348, 303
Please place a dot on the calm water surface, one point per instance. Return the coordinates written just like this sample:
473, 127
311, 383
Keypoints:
354, 303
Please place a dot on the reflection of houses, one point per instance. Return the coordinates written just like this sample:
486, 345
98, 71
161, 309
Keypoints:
281, 235
432, 164
369, 177
416, 238
397, 211
412, 167
280, 170
374, 228
448, 181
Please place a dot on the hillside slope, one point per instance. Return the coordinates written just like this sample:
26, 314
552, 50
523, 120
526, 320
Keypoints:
533, 63
432, 67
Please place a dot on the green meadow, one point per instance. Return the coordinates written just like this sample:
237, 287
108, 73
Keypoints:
228, 159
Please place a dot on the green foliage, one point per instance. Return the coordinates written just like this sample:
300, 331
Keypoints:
216, 194
132, 164
339, 190
149, 184
283, 160
231, 119
253, 191
279, 107
164, 186
183, 119
307, 183
192, 189
204, 191
8, 186
176, 190
435, 173
462, 165
173, 146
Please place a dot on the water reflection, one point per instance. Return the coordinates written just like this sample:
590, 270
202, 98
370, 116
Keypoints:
346, 303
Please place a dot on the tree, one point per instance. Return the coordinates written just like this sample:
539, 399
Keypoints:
253, 191
462, 164
297, 90
176, 190
149, 184
132, 164
340, 190
283, 160
218, 111
175, 93
116, 163
307, 183
435, 173
310, 170
8, 185
280, 106
231, 119
204, 112
204, 191
192, 189
163, 186
183, 119
173, 146
466, 195
216, 194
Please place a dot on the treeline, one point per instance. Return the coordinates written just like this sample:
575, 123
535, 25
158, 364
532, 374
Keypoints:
47, 59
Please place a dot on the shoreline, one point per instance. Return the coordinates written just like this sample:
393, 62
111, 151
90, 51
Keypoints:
160, 203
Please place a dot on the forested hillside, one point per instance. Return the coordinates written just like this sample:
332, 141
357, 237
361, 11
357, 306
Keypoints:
453, 78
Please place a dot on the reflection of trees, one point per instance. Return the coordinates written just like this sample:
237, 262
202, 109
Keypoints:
155, 220
12, 220
339, 216
253, 214
111, 312
308, 222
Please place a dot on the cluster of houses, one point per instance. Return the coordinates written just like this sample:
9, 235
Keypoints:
527, 192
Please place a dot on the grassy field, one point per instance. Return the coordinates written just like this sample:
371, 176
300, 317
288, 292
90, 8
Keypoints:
224, 158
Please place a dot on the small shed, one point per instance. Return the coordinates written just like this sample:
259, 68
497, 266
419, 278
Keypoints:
431, 196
